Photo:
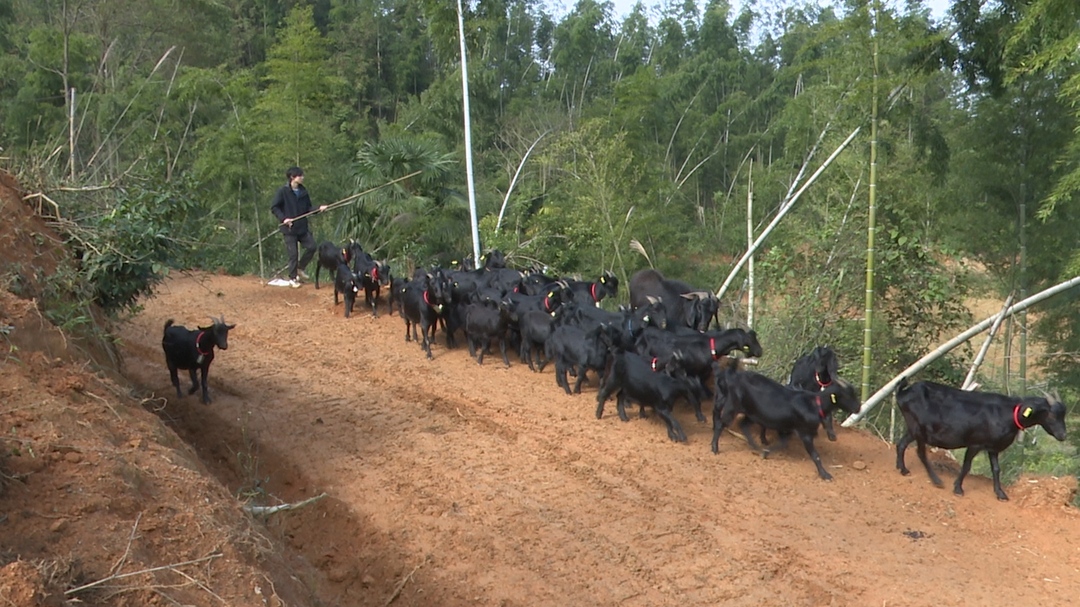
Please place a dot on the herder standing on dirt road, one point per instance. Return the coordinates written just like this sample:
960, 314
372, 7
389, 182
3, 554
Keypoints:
291, 205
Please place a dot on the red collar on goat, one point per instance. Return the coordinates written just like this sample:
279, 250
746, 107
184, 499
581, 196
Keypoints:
592, 291
211, 350
712, 348
820, 383
1016, 416
820, 409
654, 363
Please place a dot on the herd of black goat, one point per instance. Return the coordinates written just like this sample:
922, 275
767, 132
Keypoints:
659, 349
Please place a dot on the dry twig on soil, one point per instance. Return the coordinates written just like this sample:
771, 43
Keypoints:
110, 578
405, 580
268, 510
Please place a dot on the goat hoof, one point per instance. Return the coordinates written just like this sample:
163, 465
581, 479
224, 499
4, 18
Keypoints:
1002, 497
959, 491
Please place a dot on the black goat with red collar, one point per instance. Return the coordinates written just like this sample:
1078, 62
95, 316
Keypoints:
814, 372
331, 256
193, 351
950, 418
593, 292
424, 300
773, 405
634, 378
548, 302
373, 275
697, 352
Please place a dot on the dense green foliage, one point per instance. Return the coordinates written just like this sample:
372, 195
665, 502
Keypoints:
589, 132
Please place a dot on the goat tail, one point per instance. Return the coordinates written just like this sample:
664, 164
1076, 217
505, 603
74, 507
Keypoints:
168, 323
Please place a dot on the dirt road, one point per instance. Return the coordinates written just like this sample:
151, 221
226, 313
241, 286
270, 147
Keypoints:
482, 485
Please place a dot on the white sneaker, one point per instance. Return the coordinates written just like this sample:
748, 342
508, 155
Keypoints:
294, 283
303, 275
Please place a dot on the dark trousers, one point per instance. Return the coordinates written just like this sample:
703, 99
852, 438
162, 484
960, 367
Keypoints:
305, 240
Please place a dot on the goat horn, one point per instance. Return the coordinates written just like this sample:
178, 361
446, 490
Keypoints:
1051, 398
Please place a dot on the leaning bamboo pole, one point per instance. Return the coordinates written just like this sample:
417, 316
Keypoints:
513, 181
969, 381
944, 348
783, 211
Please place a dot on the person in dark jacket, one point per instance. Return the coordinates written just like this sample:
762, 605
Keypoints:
291, 201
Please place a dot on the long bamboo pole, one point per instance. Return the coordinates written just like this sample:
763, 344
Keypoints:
944, 348
513, 182
783, 211
347, 200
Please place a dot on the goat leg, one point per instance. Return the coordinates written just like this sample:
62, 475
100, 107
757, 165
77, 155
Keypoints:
675, 431
901, 447
744, 425
620, 405
205, 388
996, 469
969, 456
920, 448
808, 442
194, 380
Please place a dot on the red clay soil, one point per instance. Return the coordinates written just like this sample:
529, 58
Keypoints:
447, 483
467, 484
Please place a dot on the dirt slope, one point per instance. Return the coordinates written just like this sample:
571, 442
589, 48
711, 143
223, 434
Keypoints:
456, 484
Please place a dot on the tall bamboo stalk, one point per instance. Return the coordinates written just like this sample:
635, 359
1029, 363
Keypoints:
871, 226
750, 243
1023, 281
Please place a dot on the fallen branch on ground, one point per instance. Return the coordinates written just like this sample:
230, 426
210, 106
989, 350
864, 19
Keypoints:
140, 572
404, 580
268, 510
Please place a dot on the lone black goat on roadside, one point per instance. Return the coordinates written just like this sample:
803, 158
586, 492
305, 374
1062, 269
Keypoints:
950, 418
193, 350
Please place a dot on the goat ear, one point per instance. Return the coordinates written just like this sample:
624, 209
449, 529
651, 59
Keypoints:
230, 327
